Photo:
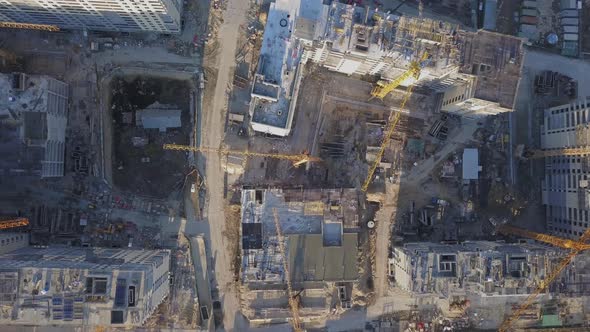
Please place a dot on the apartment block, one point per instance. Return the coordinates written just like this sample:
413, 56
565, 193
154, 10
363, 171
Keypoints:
482, 268
319, 235
565, 190
34, 114
65, 286
162, 16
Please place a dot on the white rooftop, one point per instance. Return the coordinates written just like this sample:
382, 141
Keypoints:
470, 164
280, 55
157, 116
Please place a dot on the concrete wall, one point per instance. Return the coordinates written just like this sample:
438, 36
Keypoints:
13, 241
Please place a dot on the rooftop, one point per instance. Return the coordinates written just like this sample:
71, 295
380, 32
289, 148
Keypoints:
68, 281
496, 60
470, 164
485, 267
276, 81
323, 219
158, 116
310, 260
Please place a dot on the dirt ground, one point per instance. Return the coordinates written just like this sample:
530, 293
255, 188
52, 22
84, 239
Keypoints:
219, 62
131, 95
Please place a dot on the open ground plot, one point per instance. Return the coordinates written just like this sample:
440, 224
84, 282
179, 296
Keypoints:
138, 158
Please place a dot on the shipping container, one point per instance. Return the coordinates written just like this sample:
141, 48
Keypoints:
568, 4
570, 36
570, 29
529, 12
569, 13
569, 21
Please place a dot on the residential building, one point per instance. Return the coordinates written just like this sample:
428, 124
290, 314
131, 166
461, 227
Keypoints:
565, 190
470, 164
343, 38
276, 83
67, 286
487, 79
480, 268
162, 16
33, 111
319, 234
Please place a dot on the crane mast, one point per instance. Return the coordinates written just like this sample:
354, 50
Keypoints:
29, 26
576, 246
297, 159
293, 302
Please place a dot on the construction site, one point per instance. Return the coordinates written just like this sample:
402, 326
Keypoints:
297, 165
148, 112
414, 114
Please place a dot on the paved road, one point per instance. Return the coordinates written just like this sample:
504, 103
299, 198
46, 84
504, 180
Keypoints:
213, 131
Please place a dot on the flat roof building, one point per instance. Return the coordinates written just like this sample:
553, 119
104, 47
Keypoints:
34, 113
473, 267
158, 116
82, 287
565, 189
470, 164
121, 15
319, 228
276, 83
487, 79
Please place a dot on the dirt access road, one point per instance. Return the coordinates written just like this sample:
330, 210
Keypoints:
212, 128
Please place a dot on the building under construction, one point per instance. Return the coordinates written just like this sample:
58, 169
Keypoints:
472, 73
565, 190
481, 268
319, 229
33, 119
67, 286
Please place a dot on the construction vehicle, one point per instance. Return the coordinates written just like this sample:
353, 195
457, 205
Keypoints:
525, 153
383, 88
29, 26
394, 119
576, 246
297, 159
293, 298
12, 223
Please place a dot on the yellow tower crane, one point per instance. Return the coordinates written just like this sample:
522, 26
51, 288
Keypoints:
521, 151
29, 26
383, 88
293, 299
12, 223
394, 119
576, 246
297, 159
